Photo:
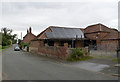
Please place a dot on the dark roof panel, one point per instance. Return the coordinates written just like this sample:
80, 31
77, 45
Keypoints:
64, 33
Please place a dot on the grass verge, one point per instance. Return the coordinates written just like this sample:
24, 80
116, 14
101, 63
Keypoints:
4, 47
107, 57
115, 59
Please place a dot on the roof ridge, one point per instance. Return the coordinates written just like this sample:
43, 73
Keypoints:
63, 27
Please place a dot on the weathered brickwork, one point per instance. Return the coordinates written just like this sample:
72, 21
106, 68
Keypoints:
53, 51
110, 45
42, 35
29, 36
34, 45
106, 38
103, 37
59, 52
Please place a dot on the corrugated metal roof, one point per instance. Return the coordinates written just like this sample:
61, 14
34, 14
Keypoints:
64, 33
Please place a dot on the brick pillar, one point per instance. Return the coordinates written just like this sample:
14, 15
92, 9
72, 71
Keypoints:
66, 45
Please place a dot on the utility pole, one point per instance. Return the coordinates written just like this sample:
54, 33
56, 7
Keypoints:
17, 38
21, 35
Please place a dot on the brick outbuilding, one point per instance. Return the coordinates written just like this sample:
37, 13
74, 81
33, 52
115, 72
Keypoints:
29, 36
57, 36
102, 37
56, 41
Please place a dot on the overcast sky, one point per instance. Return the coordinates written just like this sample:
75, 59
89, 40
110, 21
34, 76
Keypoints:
39, 15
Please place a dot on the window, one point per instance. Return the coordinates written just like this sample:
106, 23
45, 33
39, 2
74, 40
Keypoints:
51, 43
45, 41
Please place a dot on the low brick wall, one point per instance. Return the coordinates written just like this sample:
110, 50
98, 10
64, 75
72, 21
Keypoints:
59, 52
51, 51
33, 49
55, 52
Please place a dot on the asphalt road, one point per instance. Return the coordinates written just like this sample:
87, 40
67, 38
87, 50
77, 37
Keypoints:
19, 65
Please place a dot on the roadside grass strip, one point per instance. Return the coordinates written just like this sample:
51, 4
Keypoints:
4, 47
107, 57
115, 59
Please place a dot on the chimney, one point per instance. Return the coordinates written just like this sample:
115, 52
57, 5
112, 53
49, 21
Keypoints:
27, 31
30, 30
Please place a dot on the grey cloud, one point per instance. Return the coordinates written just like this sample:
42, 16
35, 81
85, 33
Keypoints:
40, 15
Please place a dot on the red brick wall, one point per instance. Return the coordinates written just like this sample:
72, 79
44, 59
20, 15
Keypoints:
92, 36
109, 45
34, 45
59, 52
43, 35
54, 51
107, 35
103, 45
51, 51
28, 38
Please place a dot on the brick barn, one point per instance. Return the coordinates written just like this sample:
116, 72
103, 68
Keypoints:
56, 40
101, 37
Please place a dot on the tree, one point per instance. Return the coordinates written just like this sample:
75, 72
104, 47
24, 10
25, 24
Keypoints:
6, 32
14, 40
14, 36
5, 41
7, 37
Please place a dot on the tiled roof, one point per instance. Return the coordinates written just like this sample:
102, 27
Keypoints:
64, 33
96, 28
29, 33
112, 34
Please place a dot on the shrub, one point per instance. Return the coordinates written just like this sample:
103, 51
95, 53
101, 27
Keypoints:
78, 55
23, 45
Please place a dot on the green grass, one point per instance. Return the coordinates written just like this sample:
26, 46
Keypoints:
81, 59
115, 59
3, 47
107, 57
0, 47
100, 56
